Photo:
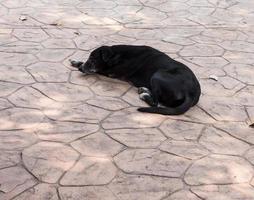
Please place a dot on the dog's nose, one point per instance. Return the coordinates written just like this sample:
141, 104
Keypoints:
74, 63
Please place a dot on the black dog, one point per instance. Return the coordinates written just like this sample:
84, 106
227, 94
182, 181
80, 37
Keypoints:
160, 79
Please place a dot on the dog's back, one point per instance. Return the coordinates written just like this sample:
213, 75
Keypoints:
176, 86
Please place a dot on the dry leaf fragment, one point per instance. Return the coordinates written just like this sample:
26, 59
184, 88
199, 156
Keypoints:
213, 77
23, 18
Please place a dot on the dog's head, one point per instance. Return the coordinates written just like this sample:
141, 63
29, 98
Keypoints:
100, 61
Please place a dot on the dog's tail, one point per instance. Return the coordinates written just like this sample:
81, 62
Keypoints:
188, 102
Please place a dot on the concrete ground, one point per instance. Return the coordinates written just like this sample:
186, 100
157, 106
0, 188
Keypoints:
69, 136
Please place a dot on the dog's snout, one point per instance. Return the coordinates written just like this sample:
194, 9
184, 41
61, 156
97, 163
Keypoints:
88, 67
82, 67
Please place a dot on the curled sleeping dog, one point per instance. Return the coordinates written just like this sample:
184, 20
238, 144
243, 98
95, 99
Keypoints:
168, 86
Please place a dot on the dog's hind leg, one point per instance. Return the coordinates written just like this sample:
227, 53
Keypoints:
147, 98
145, 95
150, 97
143, 90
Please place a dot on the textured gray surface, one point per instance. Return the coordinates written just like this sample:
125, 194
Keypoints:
64, 135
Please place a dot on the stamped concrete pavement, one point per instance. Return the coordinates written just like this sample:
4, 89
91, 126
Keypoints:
64, 135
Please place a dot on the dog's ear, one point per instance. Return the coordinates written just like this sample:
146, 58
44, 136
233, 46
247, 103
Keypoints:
106, 53
115, 60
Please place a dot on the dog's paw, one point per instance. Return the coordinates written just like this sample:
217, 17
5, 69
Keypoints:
143, 90
144, 96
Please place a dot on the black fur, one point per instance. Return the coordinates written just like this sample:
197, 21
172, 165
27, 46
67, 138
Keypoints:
160, 79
